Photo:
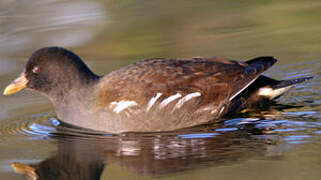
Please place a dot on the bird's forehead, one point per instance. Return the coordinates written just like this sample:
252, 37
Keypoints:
30, 64
41, 59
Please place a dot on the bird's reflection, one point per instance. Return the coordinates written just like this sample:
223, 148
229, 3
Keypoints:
86, 156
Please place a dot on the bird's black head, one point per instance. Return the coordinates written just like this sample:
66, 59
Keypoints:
52, 69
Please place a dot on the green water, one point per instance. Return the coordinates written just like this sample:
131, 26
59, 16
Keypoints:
112, 34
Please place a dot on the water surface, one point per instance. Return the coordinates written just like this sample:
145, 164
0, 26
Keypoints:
280, 143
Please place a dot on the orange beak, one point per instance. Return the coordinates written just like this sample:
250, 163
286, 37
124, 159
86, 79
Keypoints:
17, 85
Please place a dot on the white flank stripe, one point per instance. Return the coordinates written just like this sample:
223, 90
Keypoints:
186, 98
221, 110
169, 99
121, 105
152, 101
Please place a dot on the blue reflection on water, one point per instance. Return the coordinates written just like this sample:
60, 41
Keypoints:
203, 135
317, 132
300, 113
226, 129
55, 122
240, 121
295, 137
41, 129
289, 129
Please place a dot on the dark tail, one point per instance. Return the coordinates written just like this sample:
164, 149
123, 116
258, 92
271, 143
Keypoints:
286, 83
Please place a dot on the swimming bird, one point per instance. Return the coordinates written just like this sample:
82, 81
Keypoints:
155, 94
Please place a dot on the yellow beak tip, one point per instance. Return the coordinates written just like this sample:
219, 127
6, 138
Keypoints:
6, 91
11, 89
17, 85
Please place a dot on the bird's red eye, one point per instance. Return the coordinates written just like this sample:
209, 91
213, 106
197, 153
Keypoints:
36, 70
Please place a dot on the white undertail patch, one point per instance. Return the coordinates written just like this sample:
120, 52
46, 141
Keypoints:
121, 105
169, 99
272, 93
186, 98
152, 101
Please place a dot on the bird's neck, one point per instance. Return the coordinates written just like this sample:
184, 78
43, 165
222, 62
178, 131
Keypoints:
71, 91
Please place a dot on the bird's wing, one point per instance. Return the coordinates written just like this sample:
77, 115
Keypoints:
216, 79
